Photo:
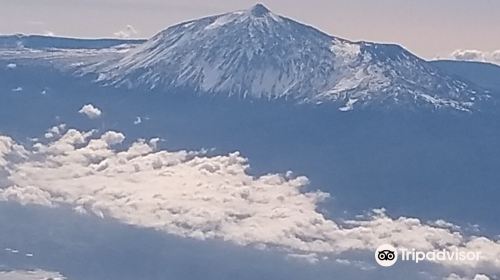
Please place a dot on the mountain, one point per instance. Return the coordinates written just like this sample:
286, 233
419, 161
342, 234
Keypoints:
485, 74
256, 53
50, 42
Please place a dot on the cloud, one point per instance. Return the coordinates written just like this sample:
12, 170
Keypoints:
359, 264
311, 258
468, 55
90, 111
54, 131
15, 251
191, 194
10, 152
30, 275
112, 138
26, 195
495, 56
127, 32
476, 55
10, 250
454, 276
444, 224
11, 66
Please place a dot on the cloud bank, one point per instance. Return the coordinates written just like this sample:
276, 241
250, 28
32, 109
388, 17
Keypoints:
191, 194
477, 55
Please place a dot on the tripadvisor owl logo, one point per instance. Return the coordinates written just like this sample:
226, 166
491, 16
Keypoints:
386, 255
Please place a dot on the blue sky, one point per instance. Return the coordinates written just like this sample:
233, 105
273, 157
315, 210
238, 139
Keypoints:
429, 28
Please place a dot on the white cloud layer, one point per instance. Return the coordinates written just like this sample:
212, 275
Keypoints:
30, 275
90, 111
190, 194
477, 55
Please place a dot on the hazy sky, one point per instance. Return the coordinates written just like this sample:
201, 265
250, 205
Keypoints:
429, 28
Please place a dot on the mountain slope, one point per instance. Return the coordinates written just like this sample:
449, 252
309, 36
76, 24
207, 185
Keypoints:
256, 53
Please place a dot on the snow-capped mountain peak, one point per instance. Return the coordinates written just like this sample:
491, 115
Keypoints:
257, 15
256, 53
259, 10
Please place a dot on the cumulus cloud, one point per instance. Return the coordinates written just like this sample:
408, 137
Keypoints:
90, 111
11, 66
26, 195
191, 194
127, 32
55, 131
10, 152
477, 55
